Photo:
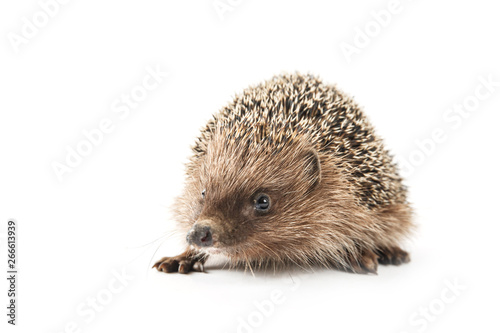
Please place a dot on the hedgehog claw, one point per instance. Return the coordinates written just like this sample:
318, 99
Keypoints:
183, 263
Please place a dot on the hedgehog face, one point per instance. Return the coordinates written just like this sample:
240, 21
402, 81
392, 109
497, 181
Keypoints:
245, 192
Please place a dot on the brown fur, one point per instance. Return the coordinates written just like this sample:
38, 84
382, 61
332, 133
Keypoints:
336, 197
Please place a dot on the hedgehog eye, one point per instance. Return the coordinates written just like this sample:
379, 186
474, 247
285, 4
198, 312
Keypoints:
203, 193
262, 203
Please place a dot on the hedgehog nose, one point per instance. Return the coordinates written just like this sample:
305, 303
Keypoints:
200, 235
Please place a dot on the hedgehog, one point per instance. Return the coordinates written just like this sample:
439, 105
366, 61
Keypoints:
291, 173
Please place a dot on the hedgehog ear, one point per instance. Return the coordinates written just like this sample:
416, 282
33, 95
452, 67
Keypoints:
312, 167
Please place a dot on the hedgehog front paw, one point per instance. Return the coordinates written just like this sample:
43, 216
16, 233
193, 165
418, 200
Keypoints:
183, 263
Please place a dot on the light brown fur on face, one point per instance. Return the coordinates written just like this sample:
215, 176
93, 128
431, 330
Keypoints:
335, 198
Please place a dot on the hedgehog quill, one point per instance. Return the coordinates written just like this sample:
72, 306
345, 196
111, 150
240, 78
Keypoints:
292, 173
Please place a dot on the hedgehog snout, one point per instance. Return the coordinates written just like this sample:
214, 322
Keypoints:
200, 235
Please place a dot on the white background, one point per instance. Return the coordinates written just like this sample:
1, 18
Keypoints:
105, 215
